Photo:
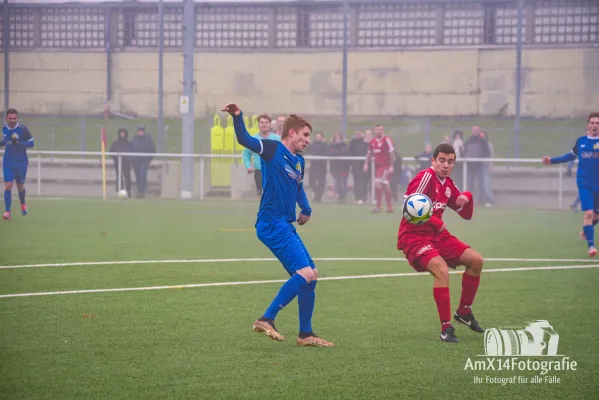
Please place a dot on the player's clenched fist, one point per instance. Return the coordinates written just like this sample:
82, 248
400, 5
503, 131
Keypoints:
462, 200
546, 160
302, 219
232, 109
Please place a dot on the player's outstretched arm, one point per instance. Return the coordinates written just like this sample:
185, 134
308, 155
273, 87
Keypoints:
243, 136
559, 160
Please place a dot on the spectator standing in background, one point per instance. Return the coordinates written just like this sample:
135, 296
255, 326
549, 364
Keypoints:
317, 174
142, 143
255, 167
425, 157
122, 145
358, 148
280, 121
339, 168
396, 178
477, 147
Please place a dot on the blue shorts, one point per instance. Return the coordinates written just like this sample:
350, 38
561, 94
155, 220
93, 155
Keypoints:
15, 173
284, 242
589, 198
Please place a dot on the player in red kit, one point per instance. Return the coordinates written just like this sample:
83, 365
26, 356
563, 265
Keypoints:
383, 151
430, 247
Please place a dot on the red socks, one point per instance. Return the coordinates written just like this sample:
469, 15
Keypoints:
469, 288
441, 295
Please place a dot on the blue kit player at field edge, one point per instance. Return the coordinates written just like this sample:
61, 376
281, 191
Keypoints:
283, 190
586, 150
16, 139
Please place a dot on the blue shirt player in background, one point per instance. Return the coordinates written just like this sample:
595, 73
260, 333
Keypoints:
586, 150
17, 140
282, 176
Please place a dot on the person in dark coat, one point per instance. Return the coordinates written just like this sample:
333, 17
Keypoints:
122, 145
317, 175
142, 143
339, 168
424, 158
358, 148
477, 146
396, 179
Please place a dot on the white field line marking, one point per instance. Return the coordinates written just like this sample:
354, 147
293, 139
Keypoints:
334, 278
232, 260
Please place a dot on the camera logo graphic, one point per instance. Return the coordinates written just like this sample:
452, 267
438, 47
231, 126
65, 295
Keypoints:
538, 338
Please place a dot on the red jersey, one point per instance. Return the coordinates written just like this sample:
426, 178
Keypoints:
442, 194
380, 149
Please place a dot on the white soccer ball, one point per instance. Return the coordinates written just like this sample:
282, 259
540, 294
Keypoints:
122, 194
417, 208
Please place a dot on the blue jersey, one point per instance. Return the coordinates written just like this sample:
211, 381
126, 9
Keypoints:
16, 140
282, 176
586, 150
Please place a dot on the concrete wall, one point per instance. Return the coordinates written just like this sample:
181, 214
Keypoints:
557, 82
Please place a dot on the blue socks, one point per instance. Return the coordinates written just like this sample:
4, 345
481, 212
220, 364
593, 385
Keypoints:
589, 233
305, 300
7, 200
22, 196
288, 291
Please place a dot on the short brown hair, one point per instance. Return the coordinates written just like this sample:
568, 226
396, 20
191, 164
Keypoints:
294, 122
264, 116
443, 148
12, 111
593, 115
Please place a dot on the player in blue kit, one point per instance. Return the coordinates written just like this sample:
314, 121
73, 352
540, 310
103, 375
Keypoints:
282, 176
586, 150
17, 140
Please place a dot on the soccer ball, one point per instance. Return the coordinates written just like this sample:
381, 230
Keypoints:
122, 194
417, 208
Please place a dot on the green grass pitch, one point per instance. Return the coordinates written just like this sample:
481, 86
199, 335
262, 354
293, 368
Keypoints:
197, 343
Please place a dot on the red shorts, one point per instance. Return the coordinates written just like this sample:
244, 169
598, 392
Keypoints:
419, 250
382, 174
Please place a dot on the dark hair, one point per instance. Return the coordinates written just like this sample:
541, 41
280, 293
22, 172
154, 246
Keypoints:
458, 132
443, 148
591, 115
12, 111
264, 116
